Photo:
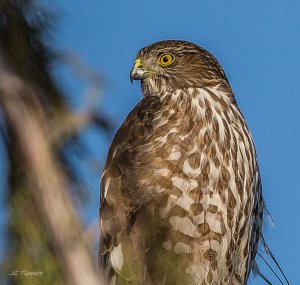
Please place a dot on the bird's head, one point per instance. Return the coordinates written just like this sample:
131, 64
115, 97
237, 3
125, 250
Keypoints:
169, 65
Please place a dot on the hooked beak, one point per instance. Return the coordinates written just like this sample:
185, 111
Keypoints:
137, 72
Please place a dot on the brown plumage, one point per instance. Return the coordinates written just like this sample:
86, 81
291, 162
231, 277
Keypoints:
181, 200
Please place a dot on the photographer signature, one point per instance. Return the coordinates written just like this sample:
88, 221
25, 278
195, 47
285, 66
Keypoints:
25, 273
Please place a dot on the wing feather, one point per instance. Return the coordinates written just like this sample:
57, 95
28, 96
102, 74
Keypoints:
117, 213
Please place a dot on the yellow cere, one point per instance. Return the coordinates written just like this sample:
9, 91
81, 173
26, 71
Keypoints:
166, 59
138, 63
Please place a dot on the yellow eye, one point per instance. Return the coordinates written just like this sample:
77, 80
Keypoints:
166, 59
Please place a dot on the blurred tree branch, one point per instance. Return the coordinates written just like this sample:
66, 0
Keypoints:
48, 185
73, 123
41, 133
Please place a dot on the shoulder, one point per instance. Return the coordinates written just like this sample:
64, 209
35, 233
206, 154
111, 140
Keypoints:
144, 110
137, 123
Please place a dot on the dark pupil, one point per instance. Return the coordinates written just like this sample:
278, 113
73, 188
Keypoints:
165, 59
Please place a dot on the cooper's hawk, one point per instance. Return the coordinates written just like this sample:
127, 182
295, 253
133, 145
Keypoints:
181, 200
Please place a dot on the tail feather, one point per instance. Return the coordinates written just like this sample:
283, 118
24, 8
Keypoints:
284, 280
257, 271
269, 252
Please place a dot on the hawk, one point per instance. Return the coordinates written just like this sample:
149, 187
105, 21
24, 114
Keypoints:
181, 200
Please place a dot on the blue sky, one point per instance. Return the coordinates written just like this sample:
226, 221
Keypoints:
257, 43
